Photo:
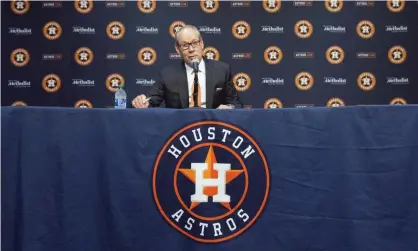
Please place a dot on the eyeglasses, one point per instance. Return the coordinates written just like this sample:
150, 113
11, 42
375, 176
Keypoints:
185, 46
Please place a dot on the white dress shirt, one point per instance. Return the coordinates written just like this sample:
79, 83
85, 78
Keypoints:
201, 76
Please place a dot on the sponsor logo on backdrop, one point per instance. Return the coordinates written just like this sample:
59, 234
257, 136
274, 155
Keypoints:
335, 81
175, 26
365, 29
240, 4
334, 5
209, 6
273, 103
115, 30
303, 3
147, 56
363, 55
209, 30
145, 82
147, 30
147, 6
304, 105
398, 101
83, 30
241, 55
115, 4
113, 81
272, 6
334, 55
304, 81
51, 4
178, 4
366, 81
396, 28
19, 57
115, 56
51, 83
52, 30
271, 29
273, 55
56, 56
20, 7
335, 102
210, 165
83, 82
174, 55
334, 29
211, 53
83, 56
364, 3
241, 29
304, 54
272, 81
397, 81
242, 81
395, 5
19, 84
20, 31
397, 54
83, 6
19, 103
303, 29
83, 103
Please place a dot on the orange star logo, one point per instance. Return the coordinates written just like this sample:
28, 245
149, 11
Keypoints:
210, 173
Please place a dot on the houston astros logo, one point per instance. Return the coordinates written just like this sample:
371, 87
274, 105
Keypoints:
242, 81
83, 56
211, 53
241, 30
175, 26
398, 101
273, 55
395, 5
51, 83
113, 81
397, 54
273, 103
83, 6
334, 5
365, 29
52, 30
303, 29
115, 30
201, 181
19, 7
335, 102
83, 103
19, 103
335, 54
147, 56
19, 57
147, 6
209, 6
304, 81
366, 81
272, 6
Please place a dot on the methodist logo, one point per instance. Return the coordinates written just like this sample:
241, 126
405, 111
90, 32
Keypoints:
211, 181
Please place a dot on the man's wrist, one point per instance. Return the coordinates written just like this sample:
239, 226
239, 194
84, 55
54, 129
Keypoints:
231, 105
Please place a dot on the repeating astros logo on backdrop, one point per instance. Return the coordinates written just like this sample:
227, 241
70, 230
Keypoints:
201, 181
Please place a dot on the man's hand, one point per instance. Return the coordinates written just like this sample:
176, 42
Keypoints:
140, 102
225, 107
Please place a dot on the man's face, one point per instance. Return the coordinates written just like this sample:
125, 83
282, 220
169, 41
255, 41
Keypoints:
189, 45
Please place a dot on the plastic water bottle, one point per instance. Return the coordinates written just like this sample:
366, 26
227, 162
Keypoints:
120, 98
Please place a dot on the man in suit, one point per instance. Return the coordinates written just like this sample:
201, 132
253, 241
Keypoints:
195, 81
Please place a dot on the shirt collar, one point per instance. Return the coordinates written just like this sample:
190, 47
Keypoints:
202, 69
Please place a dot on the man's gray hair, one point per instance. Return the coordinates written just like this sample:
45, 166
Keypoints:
188, 26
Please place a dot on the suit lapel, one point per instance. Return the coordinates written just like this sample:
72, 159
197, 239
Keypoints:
209, 83
183, 87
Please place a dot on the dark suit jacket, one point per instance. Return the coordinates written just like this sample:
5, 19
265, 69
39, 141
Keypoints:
172, 86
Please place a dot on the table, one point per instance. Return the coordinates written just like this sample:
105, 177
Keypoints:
160, 179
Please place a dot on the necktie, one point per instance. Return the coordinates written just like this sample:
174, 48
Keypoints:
195, 101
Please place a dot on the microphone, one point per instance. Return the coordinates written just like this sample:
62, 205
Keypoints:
195, 65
